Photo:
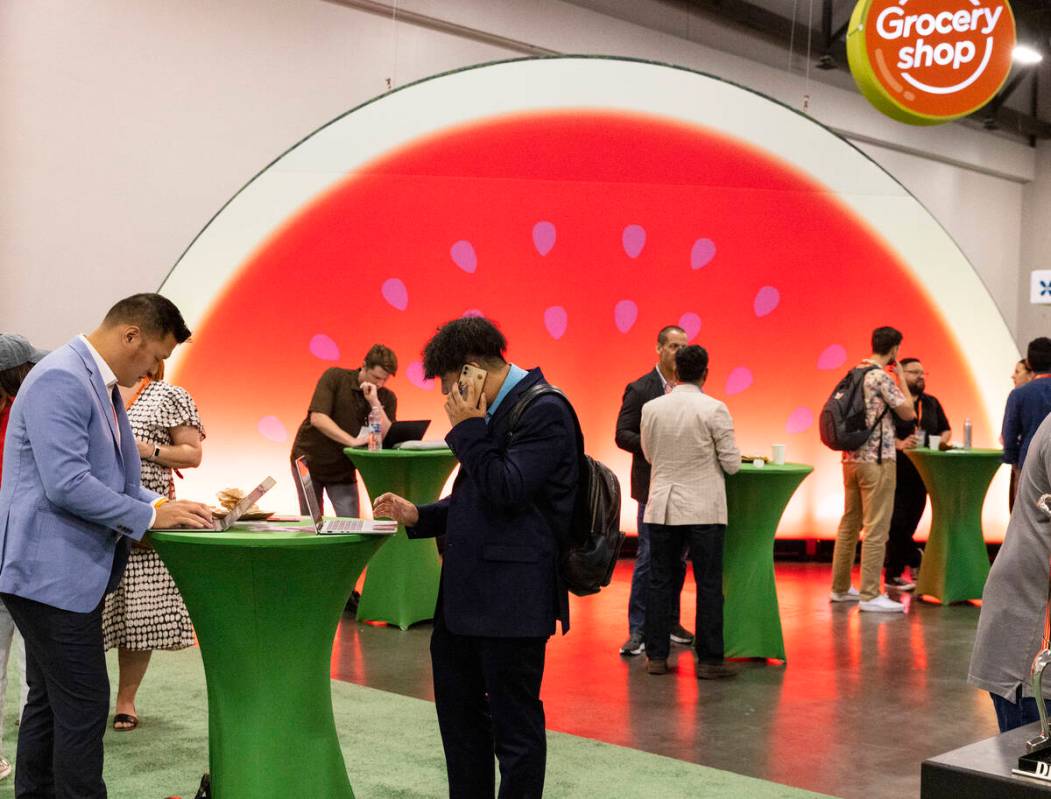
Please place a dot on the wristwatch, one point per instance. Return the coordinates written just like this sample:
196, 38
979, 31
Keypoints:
156, 452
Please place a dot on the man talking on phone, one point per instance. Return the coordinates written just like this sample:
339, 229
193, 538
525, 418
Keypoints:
500, 591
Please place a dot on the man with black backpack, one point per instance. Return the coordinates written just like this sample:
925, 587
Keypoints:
510, 511
870, 394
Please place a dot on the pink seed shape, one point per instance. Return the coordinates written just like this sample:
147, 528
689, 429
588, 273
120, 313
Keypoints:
415, 373
463, 256
624, 315
271, 428
543, 237
739, 379
766, 300
701, 253
395, 293
634, 239
833, 357
555, 320
691, 323
323, 347
799, 420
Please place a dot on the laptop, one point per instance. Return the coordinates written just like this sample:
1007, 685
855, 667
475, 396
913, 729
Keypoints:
235, 513
339, 526
400, 432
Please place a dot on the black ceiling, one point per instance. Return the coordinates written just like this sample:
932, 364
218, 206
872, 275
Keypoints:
1026, 115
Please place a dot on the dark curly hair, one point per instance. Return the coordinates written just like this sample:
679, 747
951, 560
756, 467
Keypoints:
460, 341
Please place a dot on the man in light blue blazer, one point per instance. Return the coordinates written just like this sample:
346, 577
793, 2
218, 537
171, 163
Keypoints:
70, 504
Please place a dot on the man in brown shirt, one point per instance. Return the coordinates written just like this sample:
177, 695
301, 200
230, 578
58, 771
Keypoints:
338, 417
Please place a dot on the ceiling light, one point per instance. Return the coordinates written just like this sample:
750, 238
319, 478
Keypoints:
1026, 56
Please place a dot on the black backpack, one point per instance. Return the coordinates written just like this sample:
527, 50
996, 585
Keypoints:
842, 421
587, 558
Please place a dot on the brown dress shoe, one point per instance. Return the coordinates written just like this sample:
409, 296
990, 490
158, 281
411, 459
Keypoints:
657, 666
714, 671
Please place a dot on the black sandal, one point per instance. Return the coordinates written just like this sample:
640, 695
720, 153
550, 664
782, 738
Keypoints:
125, 718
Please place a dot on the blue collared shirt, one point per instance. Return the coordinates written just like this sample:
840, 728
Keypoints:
514, 376
1026, 408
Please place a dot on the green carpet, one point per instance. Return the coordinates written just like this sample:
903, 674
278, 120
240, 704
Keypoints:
390, 743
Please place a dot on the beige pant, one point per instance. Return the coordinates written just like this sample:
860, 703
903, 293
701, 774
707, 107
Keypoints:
867, 505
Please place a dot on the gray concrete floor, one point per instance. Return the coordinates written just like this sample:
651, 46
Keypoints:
862, 700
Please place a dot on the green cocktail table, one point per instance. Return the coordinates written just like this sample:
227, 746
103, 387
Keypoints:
955, 561
401, 583
265, 606
755, 498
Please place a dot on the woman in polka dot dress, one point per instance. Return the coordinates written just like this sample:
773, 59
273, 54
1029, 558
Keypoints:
146, 612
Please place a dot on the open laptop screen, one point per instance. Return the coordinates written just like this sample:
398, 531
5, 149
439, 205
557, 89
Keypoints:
306, 485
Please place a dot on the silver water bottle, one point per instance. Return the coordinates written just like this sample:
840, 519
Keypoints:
966, 433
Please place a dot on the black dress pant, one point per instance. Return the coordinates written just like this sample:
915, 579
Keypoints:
60, 737
487, 694
705, 543
910, 498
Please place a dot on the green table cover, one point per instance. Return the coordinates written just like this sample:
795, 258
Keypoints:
756, 498
401, 583
265, 606
955, 561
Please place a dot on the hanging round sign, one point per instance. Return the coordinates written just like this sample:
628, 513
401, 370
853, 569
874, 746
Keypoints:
930, 61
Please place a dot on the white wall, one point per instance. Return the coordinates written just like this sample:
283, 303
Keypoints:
1035, 320
125, 124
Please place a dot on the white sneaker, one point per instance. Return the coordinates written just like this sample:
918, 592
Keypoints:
850, 595
5, 768
882, 604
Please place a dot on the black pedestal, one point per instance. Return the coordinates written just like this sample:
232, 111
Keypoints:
983, 770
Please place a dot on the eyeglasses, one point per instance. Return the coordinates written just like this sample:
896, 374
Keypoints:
916, 373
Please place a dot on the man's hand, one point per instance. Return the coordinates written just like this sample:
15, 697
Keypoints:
371, 393
903, 384
459, 408
183, 513
394, 507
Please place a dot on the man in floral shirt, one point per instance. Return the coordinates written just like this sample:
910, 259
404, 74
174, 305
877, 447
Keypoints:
869, 477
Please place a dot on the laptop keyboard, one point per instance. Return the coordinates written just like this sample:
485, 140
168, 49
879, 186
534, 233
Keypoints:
344, 526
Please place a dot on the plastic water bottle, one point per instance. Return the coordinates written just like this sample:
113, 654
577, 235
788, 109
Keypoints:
966, 433
375, 430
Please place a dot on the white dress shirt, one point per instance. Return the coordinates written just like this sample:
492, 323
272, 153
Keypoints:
110, 379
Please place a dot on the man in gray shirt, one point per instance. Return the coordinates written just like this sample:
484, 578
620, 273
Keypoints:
1014, 603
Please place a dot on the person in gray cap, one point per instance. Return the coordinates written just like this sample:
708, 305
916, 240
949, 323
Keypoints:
17, 357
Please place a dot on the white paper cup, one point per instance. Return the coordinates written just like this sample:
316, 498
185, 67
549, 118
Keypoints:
758, 463
934, 442
778, 454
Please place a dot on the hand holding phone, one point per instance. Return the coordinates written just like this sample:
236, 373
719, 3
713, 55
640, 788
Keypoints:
471, 375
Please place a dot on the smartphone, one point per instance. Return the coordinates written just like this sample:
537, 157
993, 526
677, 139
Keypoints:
472, 375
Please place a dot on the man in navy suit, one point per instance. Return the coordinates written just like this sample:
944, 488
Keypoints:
500, 590
70, 504
657, 382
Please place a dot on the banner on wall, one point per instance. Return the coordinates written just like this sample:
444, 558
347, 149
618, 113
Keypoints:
582, 204
926, 62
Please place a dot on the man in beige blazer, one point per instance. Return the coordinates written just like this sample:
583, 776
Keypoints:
688, 438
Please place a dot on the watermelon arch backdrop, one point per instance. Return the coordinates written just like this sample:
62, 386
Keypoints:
582, 204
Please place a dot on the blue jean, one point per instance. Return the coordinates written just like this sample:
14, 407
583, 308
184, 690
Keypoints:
1010, 715
640, 580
